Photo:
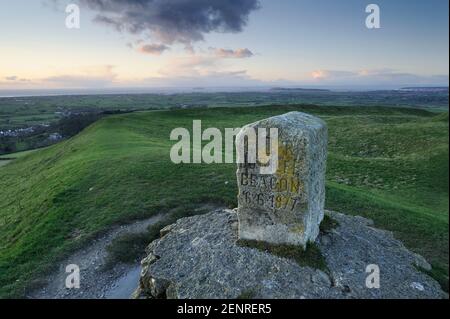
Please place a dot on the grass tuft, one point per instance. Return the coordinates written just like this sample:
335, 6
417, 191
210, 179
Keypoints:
127, 249
310, 257
328, 224
436, 274
247, 294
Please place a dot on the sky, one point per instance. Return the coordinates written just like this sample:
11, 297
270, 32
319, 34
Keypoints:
223, 43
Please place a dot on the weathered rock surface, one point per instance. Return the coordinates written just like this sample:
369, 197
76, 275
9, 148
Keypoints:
198, 258
286, 204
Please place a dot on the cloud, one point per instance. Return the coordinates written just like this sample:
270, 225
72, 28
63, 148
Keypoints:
327, 74
15, 79
236, 54
214, 60
190, 66
198, 70
154, 49
376, 77
236, 78
171, 21
92, 76
78, 81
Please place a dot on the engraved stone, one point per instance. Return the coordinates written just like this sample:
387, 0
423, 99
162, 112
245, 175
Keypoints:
285, 207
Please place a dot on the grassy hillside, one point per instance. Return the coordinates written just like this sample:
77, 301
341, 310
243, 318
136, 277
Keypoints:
387, 164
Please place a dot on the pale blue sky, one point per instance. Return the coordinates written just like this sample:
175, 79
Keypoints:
294, 42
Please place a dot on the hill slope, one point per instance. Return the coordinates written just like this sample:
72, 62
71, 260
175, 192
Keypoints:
390, 165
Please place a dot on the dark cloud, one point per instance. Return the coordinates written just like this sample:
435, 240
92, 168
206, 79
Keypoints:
154, 49
170, 21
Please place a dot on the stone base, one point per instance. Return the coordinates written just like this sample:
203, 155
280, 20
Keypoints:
198, 258
276, 233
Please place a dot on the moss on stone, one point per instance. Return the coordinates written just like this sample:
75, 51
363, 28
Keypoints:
311, 256
247, 294
328, 224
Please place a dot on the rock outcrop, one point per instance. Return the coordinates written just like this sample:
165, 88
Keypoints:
198, 257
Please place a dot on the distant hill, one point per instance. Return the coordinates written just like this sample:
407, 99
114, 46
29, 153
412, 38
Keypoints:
299, 89
426, 89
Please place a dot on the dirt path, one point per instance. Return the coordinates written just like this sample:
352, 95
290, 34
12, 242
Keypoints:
95, 281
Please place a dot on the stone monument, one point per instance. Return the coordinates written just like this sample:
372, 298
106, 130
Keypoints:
286, 206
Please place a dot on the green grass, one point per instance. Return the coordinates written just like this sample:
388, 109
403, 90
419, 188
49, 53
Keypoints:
387, 164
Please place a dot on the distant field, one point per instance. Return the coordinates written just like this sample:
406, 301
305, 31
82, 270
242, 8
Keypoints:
387, 164
27, 111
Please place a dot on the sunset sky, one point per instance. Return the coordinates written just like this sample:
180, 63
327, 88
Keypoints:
213, 43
